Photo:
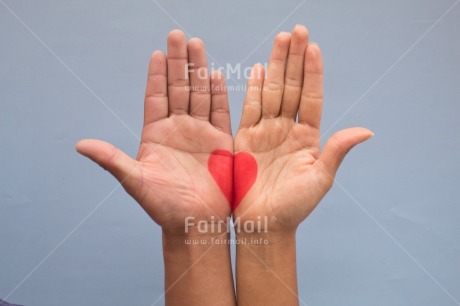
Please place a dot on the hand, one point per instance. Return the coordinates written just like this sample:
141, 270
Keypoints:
186, 118
291, 176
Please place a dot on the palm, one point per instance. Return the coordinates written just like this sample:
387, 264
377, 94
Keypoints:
285, 153
174, 169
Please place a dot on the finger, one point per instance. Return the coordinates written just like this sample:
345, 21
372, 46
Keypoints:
274, 82
252, 108
220, 112
294, 72
338, 146
156, 96
311, 101
120, 165
200, 95
178, 80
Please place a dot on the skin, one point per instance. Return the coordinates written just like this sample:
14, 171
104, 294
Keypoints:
280, 128
279, 133
185, 119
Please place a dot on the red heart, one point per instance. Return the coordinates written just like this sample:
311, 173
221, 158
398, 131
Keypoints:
244, 176
221, 164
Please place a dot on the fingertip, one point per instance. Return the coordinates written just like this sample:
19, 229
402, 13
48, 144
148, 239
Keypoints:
364, 132
157, 62
81, 146
301, 32
196, 43
300, 26
283, 38
348, 138
87, 146
78, 146
313, 50
313, 58
176, 33
176, 36
157, 55
283, 35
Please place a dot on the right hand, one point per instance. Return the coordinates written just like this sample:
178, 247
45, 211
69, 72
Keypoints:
182, 127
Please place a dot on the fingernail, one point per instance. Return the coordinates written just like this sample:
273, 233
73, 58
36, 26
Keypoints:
284, 33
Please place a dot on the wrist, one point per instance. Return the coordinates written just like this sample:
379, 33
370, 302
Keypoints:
270, 248
270, 238
195, 237
191, 227
185, 250
262, 226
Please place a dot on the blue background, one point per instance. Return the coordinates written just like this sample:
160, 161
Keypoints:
386, 234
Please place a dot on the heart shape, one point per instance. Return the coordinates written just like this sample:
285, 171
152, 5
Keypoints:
244, 176
234, 175
220, 165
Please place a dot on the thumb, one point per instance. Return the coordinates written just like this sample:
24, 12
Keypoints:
339, 145
120, 165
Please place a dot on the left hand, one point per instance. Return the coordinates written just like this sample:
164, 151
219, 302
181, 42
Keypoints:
292, 174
